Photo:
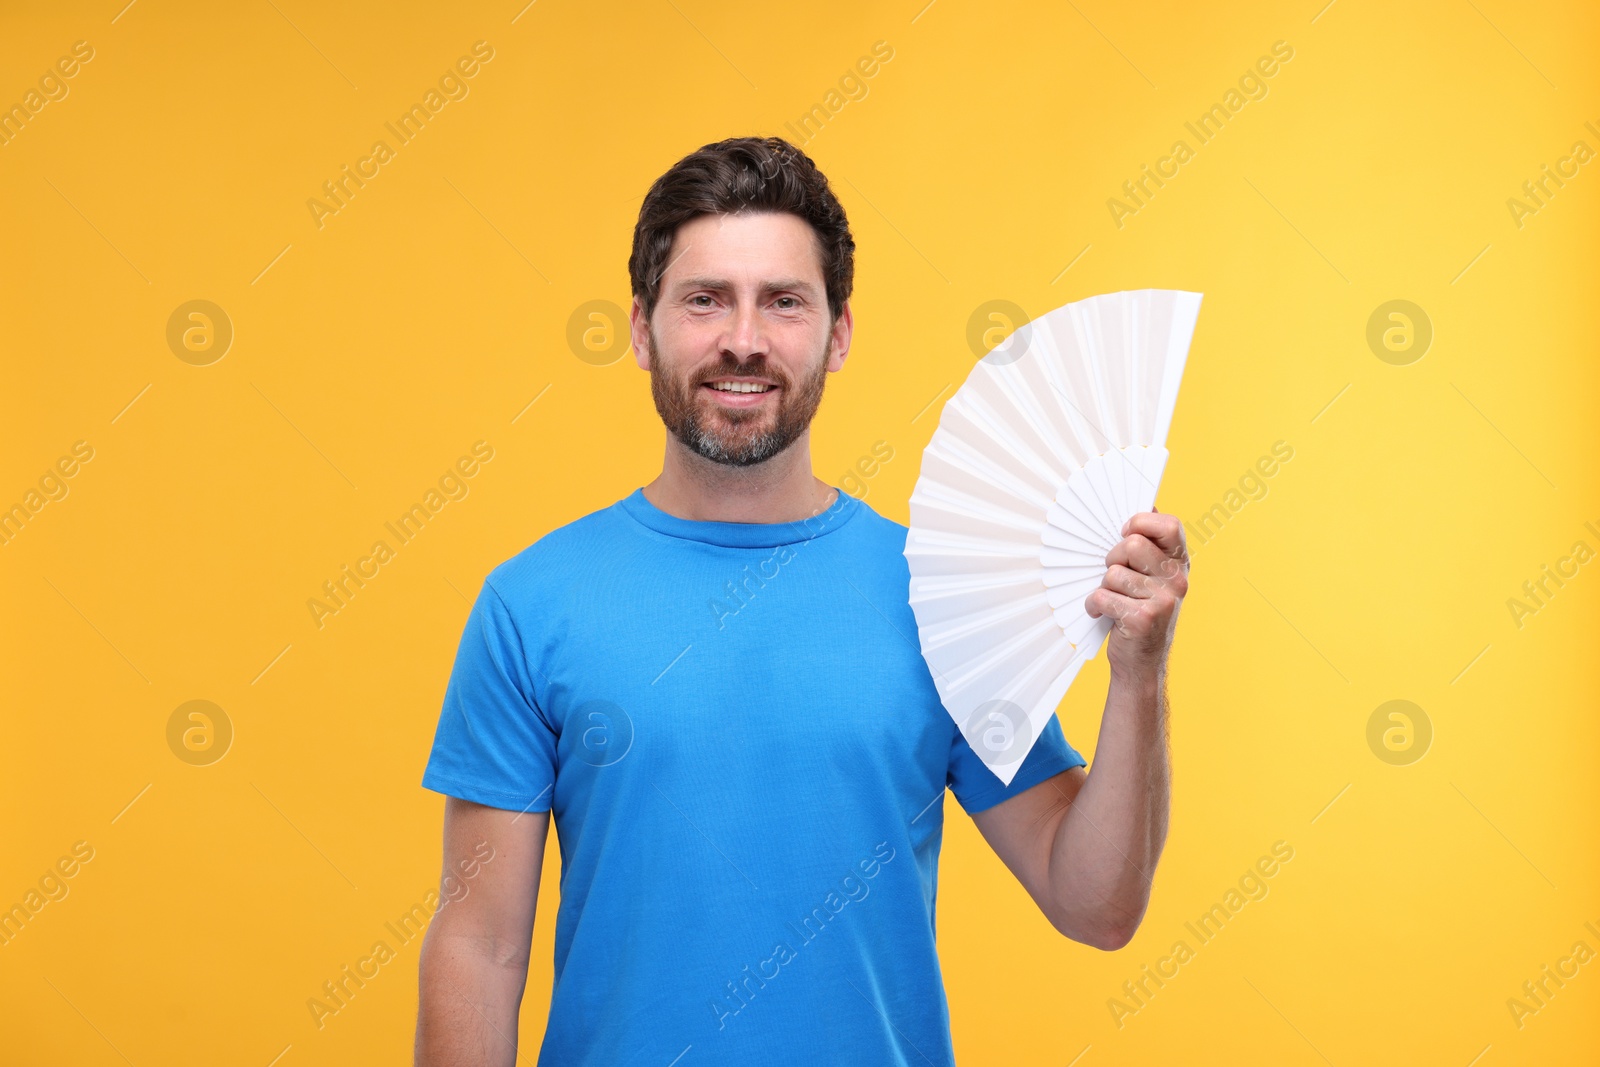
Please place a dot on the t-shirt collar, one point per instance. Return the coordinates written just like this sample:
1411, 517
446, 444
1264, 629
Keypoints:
741, 534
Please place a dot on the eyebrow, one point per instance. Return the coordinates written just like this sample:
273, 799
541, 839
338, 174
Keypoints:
723, 284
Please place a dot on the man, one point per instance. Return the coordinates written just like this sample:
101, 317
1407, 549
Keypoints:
715, 686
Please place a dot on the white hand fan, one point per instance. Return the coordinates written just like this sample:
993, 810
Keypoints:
1057, 436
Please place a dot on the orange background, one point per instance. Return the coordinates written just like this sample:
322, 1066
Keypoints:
432, 311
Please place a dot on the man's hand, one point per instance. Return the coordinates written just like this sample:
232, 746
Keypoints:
1146, 579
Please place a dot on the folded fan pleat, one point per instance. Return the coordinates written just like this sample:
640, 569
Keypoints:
1035, 466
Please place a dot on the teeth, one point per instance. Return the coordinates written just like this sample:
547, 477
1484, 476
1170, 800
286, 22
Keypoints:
740, 387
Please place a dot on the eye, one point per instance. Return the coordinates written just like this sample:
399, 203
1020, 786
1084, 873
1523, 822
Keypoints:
700, 296
796, 302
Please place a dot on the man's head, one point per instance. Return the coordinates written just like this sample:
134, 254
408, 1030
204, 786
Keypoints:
742, 268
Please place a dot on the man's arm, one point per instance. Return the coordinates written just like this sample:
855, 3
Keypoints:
474, 960
1085, 844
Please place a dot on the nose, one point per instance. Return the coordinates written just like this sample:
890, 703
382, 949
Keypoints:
746, 333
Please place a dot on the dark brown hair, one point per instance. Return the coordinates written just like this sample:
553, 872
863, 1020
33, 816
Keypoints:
758, 174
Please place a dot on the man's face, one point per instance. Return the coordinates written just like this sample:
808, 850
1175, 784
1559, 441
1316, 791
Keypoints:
742, 301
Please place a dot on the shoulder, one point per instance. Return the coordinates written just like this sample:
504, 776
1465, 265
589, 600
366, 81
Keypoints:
877, 562
879, 532
561, 558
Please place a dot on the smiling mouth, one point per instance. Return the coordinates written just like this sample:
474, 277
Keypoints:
741, 388
735, 396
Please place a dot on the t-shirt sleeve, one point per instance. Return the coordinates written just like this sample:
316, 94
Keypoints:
977, 787
493, 744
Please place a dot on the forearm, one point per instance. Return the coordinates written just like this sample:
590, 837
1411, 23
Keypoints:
1106, 846
467, 1004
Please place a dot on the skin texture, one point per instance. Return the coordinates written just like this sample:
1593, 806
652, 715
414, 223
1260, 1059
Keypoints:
474, 961
743, 296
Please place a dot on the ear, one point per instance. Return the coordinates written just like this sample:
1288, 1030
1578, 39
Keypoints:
840, 341
639, 334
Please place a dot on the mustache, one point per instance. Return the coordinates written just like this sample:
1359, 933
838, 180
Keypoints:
733, 368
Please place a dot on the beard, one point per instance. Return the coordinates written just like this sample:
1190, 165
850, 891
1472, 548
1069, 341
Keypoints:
731, 436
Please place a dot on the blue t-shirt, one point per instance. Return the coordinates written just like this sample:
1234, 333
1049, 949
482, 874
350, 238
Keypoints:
744, 754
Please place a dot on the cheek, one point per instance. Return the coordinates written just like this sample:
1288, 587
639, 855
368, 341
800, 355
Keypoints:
801, 348
689, 343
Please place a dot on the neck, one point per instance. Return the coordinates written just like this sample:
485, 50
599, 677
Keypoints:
781, 489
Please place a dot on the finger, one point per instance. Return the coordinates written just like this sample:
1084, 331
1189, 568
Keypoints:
1164, 530
1128, 612
1129, 583
1138, 552
1103, 601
